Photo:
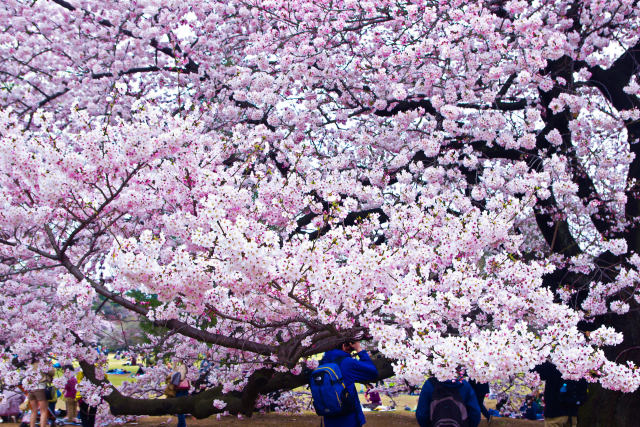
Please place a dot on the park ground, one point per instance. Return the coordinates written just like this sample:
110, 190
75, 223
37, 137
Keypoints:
384, 419
398, 418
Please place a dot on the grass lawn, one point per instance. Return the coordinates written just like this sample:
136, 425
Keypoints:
118, 379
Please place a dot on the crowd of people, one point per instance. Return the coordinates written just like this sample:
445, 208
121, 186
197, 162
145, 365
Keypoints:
456, 402
41, 403
38, 404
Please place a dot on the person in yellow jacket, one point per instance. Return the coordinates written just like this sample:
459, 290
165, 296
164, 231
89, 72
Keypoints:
87, 412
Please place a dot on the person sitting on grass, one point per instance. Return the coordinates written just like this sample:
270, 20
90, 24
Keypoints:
373, 397
531, 409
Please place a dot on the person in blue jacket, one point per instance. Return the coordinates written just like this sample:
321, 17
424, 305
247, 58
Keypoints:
467, 396
353, 370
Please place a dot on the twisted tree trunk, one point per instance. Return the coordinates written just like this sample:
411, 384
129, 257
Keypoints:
200, 405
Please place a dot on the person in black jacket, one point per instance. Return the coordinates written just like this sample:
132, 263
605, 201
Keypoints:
461, 387
560, 406
481, 390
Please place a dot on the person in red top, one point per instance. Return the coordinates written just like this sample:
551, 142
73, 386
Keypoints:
70, 398
373, 397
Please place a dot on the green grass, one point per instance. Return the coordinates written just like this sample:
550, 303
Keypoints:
118, 379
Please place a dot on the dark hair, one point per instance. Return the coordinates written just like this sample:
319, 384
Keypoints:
501, 403
348, 341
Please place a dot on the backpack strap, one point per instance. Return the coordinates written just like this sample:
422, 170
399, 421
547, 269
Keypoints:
338, 361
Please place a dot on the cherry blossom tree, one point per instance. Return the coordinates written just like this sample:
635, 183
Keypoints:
455, 182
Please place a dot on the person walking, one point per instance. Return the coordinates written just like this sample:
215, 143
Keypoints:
182, 389
38, 398
361, 370
453, 400
562, 398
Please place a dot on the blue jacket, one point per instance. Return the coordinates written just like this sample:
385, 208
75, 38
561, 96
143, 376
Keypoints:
466, 394
353, 371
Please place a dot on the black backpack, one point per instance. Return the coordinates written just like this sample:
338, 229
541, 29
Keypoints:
447, 408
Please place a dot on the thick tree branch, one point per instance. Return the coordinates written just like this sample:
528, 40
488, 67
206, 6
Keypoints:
611, 83
261, 382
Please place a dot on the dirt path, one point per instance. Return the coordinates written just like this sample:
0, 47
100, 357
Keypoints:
385, 419
382, 419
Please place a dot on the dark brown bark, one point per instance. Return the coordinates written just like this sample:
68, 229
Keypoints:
612, 408
604, 407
